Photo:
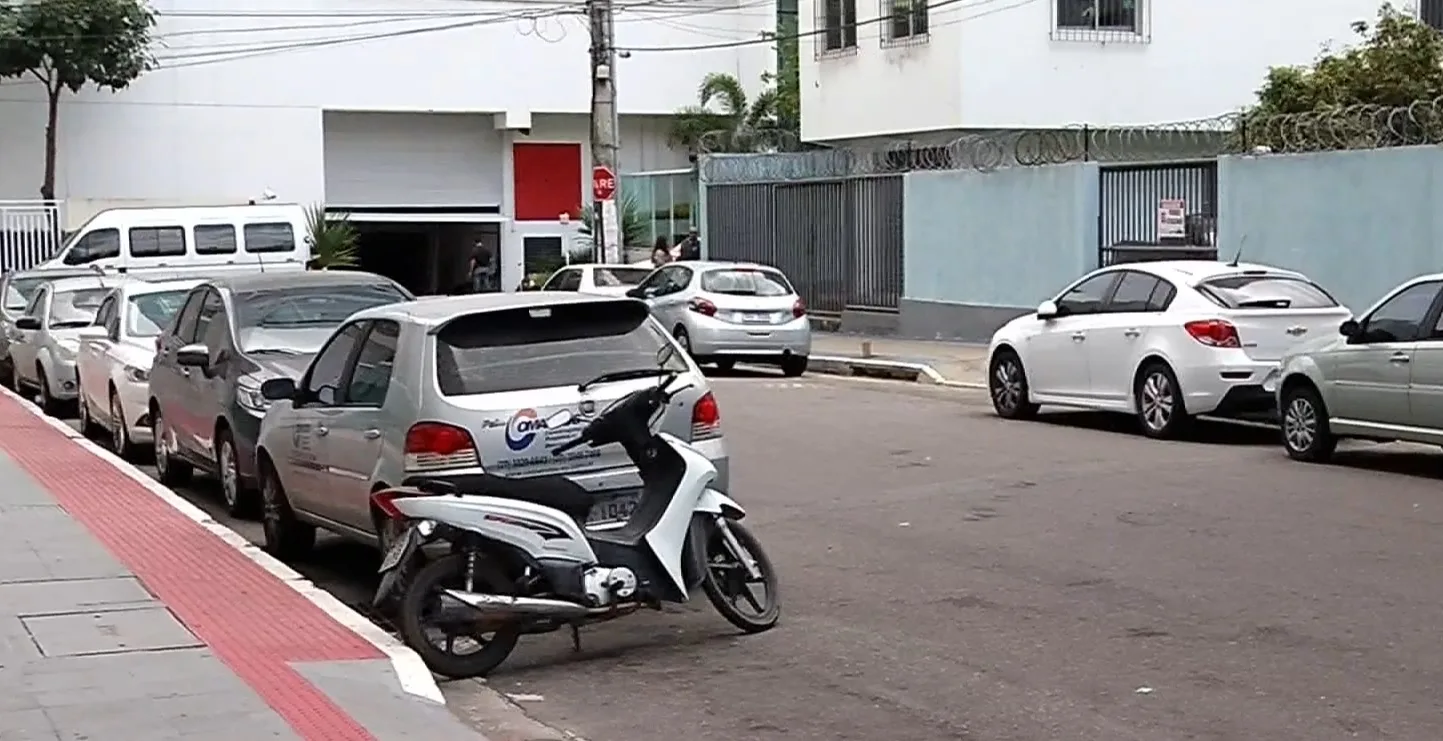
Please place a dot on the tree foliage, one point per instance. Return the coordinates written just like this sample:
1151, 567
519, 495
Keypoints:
1360, 93
335, 243
69, 44
787, 79
725, 119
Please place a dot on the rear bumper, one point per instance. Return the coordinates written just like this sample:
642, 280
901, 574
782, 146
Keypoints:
1231, 389
712, 337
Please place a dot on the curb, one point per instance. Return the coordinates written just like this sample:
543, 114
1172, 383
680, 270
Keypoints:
411, 672
896, 370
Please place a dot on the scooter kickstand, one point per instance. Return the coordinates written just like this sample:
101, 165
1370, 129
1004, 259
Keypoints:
575, 638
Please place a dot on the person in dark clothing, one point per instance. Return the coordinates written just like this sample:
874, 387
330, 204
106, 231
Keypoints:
660, 252
479, 268
690, 248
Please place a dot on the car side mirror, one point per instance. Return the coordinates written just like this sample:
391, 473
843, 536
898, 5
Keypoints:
636, 293
1350, 329
93, 332
28, 323
193, 356
277, 389
1047, 310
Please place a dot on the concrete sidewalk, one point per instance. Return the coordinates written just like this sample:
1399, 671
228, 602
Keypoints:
125, 616
947, 363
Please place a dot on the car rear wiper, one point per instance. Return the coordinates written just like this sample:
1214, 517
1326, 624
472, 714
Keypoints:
623, 375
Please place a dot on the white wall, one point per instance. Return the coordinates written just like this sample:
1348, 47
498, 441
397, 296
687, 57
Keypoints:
236, 102
995, 65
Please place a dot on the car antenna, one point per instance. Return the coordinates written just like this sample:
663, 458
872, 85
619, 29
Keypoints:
1239, 254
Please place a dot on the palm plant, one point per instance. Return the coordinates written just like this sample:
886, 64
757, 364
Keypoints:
724, 119
334, 241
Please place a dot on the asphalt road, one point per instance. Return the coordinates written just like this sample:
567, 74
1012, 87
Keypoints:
949, 575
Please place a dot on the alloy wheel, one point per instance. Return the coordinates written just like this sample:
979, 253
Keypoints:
118, 436
1300, 424
1007, 385
229, 474
162, 446
1157, 401
270, 508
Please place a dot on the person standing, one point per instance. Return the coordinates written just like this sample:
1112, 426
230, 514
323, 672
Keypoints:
479, 268
660, 253
689, 248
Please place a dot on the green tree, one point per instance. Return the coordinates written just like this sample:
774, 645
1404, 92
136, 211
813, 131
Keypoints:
335, 243
1372, 93
787, 78
725, 120
68, 44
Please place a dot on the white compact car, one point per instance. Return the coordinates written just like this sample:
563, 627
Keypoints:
598, 280
113, 363
1164, 340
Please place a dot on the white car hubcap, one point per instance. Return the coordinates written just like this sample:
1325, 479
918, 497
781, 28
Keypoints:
1157, 401
1300, 424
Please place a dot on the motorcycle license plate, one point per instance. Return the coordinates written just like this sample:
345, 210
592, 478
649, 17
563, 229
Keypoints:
614, 510
401, 549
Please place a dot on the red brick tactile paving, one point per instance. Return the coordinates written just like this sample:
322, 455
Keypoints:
249, 618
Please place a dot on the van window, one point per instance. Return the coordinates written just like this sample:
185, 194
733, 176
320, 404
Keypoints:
277, 237
157, 241
215, 239
101, 244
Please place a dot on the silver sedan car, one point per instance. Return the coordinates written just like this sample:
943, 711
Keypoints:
46, 338
725, 312
473, 390
17, 289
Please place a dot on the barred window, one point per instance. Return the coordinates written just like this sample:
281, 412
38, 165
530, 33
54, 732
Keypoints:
1094, 19
906, 20
839, 25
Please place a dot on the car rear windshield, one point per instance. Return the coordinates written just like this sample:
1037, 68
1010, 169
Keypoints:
1266, 292
542, 347
615, 277
745, 282
311, 306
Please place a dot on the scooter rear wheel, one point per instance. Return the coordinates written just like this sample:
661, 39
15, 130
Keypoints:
726, 581
421, 606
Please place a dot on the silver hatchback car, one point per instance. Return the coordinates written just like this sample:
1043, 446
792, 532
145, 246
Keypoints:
465, 389
725, 312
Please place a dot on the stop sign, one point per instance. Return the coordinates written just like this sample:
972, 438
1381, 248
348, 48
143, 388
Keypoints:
603, 183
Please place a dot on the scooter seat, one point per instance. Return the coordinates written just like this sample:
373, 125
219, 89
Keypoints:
557, 492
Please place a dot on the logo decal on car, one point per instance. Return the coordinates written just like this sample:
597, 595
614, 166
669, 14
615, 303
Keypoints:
523, 429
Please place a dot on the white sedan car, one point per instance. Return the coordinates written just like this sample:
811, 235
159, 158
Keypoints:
598, 280
113, 363
1165, 341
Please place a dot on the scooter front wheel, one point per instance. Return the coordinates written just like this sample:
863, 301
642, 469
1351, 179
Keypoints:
438, 628
728, 582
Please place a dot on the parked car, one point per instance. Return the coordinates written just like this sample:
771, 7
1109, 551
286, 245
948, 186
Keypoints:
17, 288
231, 335
113, 363
47, 337
1165, 341
599, 280
465, 388
1377, 378
723, 313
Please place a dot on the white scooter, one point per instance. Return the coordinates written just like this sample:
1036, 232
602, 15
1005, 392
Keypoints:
522, 562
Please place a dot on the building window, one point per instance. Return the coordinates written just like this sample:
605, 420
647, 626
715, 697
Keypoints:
906, 22
1099, 20
1430, 12
839, 26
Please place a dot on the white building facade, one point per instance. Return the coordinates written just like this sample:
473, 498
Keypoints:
376, 105
913, 67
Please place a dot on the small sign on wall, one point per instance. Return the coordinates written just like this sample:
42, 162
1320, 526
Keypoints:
1171, 219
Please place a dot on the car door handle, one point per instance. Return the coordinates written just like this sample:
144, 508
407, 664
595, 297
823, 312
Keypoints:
322, 430
1132, 333
1079, 336
1400, 358
371, 434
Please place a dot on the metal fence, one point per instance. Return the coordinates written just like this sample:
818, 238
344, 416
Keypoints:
29, 233
838, 239
1130, 199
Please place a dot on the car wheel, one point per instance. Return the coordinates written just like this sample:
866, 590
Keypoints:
88, 426
240, 500
683, 339
1158, 399
1007, 385
7, 373
1306, 434
171, 471
286, 537
794, 365
48, 403
120, 431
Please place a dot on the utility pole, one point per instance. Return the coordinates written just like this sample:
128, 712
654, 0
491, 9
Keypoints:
604, 136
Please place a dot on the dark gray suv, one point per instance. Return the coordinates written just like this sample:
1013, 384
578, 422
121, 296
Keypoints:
232, 335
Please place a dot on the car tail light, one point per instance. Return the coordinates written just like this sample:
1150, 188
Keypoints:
1214, 333
799, 309
705, 418
702, 306
434, 446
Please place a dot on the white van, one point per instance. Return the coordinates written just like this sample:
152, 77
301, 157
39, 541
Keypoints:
189, 241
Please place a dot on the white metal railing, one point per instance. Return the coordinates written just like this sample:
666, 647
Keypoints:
29, 233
